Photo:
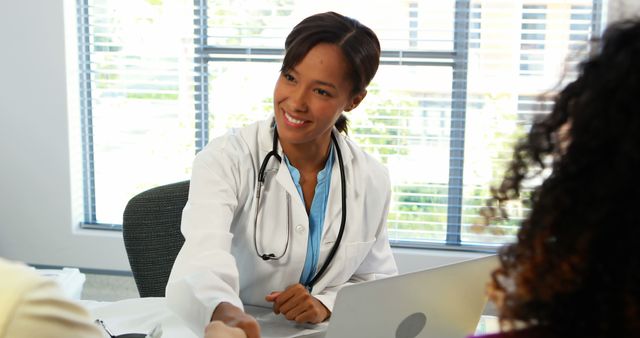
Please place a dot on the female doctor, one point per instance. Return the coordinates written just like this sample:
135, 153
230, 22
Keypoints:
286, 211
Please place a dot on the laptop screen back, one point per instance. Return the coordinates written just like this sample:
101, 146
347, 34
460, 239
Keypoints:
442, 302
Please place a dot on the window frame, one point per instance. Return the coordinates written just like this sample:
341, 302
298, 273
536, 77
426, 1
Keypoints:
457, 59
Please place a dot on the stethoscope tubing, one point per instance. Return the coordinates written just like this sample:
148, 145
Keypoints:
343, 220
343, 185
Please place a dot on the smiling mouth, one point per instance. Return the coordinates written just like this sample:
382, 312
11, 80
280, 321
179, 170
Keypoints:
292, 120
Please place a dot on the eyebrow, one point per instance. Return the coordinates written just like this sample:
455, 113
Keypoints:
328, 84
323, 83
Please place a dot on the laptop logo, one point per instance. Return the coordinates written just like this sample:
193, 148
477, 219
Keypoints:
411, 326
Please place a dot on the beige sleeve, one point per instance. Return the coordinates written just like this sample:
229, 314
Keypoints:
43, 311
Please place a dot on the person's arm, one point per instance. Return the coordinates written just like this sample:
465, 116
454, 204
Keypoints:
205, 274
41, 310
297, 304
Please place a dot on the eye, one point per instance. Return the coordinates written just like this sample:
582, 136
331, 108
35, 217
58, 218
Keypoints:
323, 92
288, 77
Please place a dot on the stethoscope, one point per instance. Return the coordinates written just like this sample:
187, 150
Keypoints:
261, 175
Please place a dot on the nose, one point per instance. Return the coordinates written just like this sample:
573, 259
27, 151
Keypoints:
297, 99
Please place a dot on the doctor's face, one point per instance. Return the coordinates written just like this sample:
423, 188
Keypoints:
309, 98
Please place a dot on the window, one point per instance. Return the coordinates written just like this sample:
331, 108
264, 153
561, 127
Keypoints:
137, 70
580, 26
533, 36
454, 90
475, 25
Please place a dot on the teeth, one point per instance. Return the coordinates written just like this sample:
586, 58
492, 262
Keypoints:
292, 120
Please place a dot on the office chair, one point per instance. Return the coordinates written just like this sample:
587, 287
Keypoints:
152, 237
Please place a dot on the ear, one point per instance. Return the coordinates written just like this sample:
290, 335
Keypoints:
355, 101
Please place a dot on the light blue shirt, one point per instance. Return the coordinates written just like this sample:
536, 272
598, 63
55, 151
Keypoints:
316, 214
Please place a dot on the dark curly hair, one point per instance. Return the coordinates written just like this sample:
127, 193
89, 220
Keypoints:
574, 269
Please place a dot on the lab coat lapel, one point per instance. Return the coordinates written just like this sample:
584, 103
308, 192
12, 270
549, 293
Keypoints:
266, 137
283, 177
333, 214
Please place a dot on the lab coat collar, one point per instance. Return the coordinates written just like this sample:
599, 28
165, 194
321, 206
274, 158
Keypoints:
266, 136
283, 177
266, 141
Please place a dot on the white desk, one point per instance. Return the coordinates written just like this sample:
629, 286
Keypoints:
140, 315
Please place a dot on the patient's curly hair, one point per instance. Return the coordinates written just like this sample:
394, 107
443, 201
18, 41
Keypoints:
575, 268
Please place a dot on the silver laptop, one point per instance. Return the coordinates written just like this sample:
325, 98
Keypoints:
442, 302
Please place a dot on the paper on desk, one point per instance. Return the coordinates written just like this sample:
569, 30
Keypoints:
277, 326
139, 315
143, 314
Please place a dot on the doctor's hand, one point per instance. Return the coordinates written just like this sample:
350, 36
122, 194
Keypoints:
295, 303
234, 317
218, 329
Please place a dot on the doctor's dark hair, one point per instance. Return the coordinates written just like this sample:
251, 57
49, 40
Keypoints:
575, 268
358, 43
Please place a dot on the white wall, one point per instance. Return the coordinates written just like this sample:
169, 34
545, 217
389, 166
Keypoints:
39, 146
37, 221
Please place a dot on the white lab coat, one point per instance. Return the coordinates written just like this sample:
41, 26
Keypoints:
218, 262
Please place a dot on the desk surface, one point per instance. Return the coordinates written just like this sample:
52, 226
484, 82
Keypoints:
140, 315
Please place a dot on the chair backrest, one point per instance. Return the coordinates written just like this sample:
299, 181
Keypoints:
152, 237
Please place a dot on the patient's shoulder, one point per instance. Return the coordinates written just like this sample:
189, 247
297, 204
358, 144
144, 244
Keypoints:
34, 306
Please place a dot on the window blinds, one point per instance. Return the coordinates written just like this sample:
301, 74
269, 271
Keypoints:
458, 84
137, 77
